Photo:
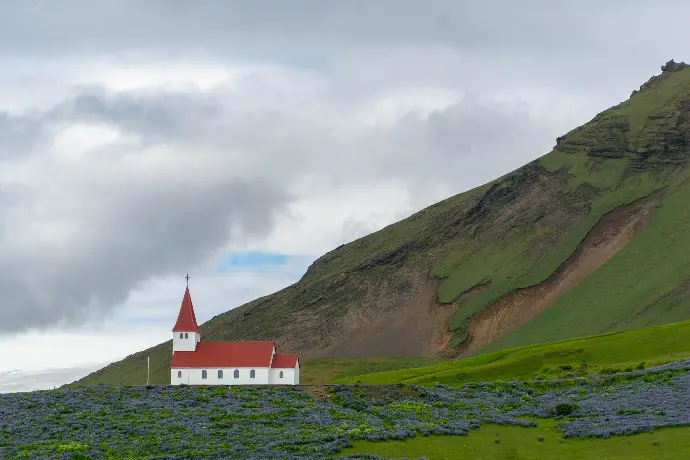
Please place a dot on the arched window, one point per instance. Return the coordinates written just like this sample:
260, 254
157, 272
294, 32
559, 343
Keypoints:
186, 336
179, 374
252, 374
181, 335
281, 374
220, 373
204, 374
236, 374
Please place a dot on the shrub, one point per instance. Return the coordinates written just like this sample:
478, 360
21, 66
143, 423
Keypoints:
564, 409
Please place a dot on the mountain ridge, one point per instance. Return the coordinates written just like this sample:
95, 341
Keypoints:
420, 286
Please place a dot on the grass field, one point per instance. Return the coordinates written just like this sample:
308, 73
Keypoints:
520, 443
319, 371
583, 356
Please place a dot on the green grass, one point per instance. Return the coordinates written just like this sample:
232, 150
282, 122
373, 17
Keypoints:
585, 356
599, 173
319, 371
522, 443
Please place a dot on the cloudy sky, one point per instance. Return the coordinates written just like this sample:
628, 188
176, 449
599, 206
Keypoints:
141, 140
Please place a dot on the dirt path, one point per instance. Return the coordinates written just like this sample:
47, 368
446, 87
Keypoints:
615, 229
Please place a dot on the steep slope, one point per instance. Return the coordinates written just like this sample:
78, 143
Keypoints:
587, 239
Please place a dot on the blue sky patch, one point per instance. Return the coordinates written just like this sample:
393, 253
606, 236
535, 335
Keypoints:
251, 259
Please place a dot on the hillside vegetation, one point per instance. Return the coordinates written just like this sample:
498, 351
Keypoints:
587, 239
600, 354
523, 443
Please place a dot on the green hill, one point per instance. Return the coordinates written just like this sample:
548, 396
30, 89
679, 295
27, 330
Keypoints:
599, 354
589, 238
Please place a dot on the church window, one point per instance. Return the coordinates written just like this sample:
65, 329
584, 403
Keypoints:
181, 335
281, 374
186, 335
204, 374
252, 374
236, 374
179, 374
220, 373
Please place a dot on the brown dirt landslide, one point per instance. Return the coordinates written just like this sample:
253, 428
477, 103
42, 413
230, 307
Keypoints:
608, 237
390, 324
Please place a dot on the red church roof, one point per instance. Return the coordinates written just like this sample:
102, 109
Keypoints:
186, 319
284, 361
225, 354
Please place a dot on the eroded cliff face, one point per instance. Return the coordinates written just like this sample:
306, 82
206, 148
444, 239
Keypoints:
606, 239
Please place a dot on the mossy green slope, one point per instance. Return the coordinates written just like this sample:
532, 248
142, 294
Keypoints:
511, 233
614, 351
522, 443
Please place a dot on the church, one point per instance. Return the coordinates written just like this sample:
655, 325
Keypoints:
225, 363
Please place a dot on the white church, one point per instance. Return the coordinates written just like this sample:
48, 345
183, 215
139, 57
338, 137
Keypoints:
225, 363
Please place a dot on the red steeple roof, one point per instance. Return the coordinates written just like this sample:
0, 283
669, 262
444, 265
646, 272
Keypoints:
186, 320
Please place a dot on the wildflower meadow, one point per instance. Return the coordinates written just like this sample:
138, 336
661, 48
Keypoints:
175, 422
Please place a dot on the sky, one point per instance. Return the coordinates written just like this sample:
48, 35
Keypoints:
237, 141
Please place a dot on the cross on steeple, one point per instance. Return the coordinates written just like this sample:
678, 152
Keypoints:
187, 278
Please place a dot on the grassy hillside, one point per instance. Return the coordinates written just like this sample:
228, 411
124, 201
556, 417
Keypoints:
584, 240
606, 353
522, 443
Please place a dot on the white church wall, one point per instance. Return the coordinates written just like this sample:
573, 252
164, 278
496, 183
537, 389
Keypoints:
288, 377
194, 376
185, 341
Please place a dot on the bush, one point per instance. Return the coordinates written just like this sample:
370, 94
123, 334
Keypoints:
564, 409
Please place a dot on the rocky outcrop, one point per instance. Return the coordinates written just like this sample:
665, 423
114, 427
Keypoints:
673, 66
670, 66
664, 140
606, 139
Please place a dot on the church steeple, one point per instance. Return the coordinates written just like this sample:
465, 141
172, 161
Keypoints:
186, 333
186, 319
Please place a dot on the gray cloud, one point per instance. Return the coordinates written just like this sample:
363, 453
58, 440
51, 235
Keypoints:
310, 27
130, 239
83, 247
